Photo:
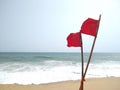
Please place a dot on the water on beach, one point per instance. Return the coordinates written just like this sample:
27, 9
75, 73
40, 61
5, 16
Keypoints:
38, 68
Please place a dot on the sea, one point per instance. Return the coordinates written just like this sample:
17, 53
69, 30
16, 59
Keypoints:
47, 67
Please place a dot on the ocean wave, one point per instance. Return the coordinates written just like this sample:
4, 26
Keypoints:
35, 69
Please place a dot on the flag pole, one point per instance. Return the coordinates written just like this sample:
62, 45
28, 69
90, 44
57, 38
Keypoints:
92, 48
82, 66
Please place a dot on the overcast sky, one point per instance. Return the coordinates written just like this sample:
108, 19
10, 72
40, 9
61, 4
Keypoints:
43, 25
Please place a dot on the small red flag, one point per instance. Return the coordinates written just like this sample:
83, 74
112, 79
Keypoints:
89, 27
73, 40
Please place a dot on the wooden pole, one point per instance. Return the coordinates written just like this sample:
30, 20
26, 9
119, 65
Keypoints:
82, 66
92, 48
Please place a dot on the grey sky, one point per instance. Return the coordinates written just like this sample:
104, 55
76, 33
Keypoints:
43, 25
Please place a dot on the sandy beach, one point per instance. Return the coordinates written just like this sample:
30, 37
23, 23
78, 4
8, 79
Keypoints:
112, 83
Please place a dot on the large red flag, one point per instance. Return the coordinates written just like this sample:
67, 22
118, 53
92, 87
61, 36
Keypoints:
73, 40
89, 27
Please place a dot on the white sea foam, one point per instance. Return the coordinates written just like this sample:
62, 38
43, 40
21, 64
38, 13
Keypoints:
39, 74
53, 70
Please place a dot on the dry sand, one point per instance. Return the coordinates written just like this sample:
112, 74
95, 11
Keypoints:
112, 83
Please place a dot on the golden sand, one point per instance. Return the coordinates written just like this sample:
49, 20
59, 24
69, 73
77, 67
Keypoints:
112, 83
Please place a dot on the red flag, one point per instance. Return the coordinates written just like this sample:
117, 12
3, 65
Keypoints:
73, 40
89, 27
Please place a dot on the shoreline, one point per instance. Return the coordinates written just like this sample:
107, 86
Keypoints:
106, 83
